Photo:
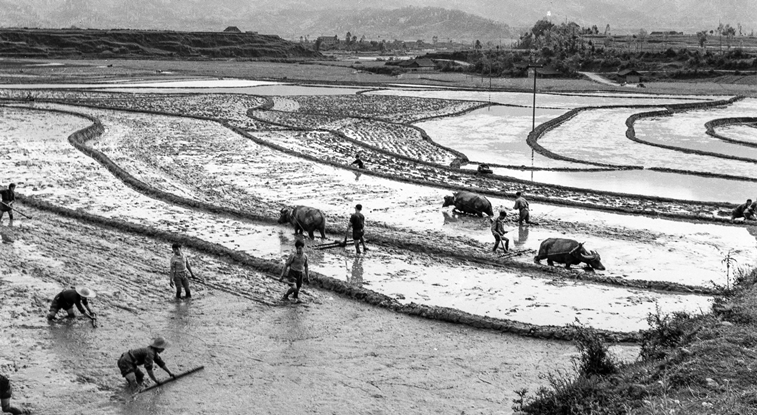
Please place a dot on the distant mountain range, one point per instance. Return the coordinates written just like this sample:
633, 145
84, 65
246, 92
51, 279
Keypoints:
408, 23
482, 19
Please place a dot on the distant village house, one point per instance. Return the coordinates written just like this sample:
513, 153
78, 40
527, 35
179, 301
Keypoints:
232, 29
546, 72
630, 76
422, 64
329, 40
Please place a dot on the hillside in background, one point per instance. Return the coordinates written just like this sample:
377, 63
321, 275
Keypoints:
409, 23
293, 18
133, 43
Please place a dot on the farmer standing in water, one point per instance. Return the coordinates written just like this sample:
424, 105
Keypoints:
357, 223
295, 268
521, 205
8, 197
178, 274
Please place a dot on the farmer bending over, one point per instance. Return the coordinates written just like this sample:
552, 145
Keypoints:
498, 230
358, 162
178, 274
294, 268
145, 356
8, 197
66, 300
743, 211
6, 392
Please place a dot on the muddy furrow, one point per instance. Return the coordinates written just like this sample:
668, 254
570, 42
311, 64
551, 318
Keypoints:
387, 236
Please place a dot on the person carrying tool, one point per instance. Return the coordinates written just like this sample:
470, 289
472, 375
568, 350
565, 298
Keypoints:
8, 197
145, 356
178, 274
357, 223
295, 267
66, 300
498, 230
6, 393
521, 205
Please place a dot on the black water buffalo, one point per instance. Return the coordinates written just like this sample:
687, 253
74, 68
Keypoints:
568, 252
469, 202
304, 219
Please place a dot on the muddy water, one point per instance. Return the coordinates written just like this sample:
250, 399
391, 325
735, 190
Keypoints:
236, 170
607, 143
330, 355
281, 90
113, 199
495, 135
498, 135
543, 100
191, 83
686, 130
747, 132
640, 182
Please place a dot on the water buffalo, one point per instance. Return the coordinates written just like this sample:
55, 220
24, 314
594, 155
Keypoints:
304, 219
469, 202
568, 252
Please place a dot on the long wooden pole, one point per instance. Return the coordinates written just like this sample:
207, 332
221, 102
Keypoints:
15, 210
180, 375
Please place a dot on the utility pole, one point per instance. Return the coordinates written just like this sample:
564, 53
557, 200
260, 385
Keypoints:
533, 115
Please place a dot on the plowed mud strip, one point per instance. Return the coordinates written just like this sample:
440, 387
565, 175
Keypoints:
387, 236
679, 204
711, 125
384, 235
653, 211
272, 268
631, 135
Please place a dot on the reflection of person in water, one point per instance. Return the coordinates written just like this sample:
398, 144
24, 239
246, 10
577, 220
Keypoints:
6, 233
357, 271
357, 175
522, 235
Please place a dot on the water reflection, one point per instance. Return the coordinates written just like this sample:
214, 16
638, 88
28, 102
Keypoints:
522, 236
356, 274
357, 175
7, 233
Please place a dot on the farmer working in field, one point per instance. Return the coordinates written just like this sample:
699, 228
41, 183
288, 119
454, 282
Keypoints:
521, 205
6, 392
743, 211
178, 273
358, 162
66, 300
8, 197
295, 268
498, 230
357, 223
145, 356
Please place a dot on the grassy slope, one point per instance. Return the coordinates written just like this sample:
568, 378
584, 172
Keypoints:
693, 365
133, 43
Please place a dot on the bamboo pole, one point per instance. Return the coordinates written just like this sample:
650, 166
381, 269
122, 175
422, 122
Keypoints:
180, 375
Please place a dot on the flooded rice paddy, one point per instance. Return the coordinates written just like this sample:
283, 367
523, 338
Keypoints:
336, 355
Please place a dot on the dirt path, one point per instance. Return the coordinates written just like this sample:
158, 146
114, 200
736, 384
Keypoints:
331, 355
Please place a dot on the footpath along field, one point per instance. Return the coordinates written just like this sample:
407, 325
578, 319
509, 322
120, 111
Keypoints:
422, 254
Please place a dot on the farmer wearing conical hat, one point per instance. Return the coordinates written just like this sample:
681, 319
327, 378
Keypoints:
66, 300
145, 356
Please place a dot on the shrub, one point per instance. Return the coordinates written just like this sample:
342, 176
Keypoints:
665, 333
595, 358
